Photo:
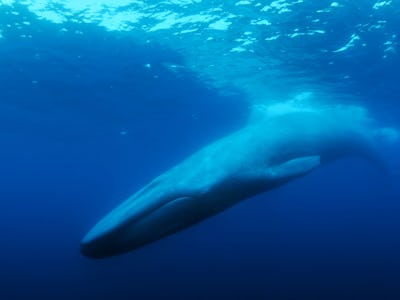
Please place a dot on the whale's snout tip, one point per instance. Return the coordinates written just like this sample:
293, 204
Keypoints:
95, 249
88, 249
102, 240
94, 245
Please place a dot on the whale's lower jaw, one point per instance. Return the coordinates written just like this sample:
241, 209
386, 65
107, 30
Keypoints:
171, 217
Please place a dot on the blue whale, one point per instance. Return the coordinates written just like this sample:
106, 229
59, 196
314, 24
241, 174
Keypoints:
284, 144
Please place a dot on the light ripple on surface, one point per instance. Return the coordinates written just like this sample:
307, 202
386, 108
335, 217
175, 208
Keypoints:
215, 44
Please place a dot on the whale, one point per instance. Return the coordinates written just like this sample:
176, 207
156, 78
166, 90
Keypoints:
285, 143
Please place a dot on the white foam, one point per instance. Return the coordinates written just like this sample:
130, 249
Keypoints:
220, 25
261, 22
350, 44
7, 2
353, 116
381, 4
242, 2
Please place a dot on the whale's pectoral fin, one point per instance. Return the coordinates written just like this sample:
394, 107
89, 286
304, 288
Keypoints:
295, 167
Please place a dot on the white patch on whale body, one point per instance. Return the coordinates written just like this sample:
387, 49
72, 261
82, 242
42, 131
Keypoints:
304, 103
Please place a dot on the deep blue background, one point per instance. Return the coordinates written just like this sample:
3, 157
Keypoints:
64, 164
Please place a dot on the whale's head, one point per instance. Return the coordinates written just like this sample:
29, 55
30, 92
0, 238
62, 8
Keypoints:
169, 203
130, 225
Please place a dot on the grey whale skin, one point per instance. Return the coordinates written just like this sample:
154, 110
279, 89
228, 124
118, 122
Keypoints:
263, 155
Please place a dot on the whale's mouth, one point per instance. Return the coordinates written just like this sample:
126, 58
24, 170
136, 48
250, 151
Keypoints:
113, 235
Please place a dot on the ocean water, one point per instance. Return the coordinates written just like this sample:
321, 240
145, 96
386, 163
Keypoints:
99, 97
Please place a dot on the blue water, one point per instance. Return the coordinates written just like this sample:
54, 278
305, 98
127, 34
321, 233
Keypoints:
83, 125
